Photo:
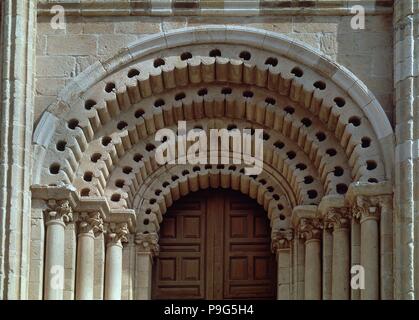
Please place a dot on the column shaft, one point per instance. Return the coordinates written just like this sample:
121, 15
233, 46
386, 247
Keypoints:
85, 266
327, 264
355, 252
300, 269
143, 275
283, 273
54, 260
386, 249
113, 271
370, 258
341, 264
147, 247
313, 270
294, 265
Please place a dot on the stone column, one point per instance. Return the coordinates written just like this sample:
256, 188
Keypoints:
147, 248
37, 257
90, 225
327, 261
355, 250
281, 246
70, 253
18, 28
406, 84
339, 218
57, 215
370, 254
385, 203
116, 234
298, 268
310, 230
128, 269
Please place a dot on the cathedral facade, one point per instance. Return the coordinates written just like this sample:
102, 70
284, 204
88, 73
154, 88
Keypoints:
109, 192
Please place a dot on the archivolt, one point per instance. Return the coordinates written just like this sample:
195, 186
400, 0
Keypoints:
250, 78
281, 153
167, 185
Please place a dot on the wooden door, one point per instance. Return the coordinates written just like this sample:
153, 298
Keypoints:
215, 245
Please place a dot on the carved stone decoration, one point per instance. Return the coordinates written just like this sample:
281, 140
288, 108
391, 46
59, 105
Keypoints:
281, 239
117, 232
90, 222
357, 212
327, 225
58, 210
310, 228
367, 208
147, 243
337, 218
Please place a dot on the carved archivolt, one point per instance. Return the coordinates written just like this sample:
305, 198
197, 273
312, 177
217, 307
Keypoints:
317, 138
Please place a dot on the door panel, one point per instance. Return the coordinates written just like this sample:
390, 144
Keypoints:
247, 251
179, 270
215, 245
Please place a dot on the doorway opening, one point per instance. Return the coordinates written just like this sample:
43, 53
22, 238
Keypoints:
215, 244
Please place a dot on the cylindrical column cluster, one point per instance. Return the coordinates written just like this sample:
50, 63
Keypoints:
345, 254
314, 259
89, 228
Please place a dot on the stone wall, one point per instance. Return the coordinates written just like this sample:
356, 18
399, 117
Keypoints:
63, 54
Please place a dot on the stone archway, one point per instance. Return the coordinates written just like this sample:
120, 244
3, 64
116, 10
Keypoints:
325, 134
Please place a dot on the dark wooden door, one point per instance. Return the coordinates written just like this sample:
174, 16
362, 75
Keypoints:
215, 245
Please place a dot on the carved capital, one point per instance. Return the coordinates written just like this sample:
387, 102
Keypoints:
338, 218
356, 212
385, 201
310, 228
58, 210
91, 221
366, 208
147, 243
281, 239
117, 233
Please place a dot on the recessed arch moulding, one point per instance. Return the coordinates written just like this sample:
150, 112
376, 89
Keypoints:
323, 129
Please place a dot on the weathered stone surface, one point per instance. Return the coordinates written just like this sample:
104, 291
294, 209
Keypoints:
72, 45
323, 92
